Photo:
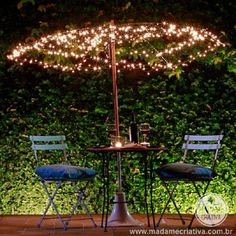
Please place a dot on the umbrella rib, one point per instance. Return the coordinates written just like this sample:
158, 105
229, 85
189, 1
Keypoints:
156, 50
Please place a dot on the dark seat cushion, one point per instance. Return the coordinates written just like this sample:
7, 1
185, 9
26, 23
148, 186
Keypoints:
64, 172
185, 171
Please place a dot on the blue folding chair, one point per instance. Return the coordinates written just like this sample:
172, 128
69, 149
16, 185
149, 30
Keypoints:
60, 174
182, 172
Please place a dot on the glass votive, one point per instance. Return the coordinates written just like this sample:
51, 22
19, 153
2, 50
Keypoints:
116, 141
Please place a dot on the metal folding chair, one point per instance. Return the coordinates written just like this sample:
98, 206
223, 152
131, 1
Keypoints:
60, 174
181, 172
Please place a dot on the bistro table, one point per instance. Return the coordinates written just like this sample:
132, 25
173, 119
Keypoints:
120, 215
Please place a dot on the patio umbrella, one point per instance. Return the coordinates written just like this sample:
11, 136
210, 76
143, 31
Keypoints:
147, 47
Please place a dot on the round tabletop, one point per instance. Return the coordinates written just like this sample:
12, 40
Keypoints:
128, 148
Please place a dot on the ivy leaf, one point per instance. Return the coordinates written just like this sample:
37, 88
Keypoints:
232, 68
217, 60
100, 110
126, 7
175, 73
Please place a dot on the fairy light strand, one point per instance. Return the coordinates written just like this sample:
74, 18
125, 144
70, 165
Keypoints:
142, 46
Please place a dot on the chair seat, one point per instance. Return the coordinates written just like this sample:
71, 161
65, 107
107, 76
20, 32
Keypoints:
64, 172
185, 171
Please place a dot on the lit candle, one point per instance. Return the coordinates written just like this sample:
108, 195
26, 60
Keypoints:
118, 144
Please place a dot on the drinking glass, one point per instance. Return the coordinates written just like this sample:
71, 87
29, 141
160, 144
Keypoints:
145, 130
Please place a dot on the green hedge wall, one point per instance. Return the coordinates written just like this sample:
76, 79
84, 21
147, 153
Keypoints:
200, 101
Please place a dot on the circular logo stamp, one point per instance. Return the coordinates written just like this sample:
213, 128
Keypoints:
211, 210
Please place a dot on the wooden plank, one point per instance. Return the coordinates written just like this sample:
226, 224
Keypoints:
49, 146
201, 146
48, 138
203, 137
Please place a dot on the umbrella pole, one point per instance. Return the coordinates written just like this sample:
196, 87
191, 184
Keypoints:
114, 79
115, 98
120, 215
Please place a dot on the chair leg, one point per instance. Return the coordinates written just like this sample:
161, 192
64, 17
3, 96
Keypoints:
80, 193
73, 211
79, 201
51, 202
200, 196
167, 203
86, 209
145, 186
107, 193
151, 194
152, 207
105, 205
104, 191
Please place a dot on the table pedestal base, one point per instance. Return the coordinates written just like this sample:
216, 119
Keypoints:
120, 215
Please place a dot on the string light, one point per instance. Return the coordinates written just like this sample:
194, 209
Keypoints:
144, 46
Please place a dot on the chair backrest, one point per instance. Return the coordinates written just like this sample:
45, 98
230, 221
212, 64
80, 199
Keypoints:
202, 142
48, 143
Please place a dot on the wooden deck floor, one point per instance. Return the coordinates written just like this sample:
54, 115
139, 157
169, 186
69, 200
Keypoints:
25, 225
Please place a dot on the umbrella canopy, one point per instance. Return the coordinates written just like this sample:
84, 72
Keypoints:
147, 47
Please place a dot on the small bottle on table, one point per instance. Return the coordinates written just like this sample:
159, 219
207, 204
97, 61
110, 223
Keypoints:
133, 130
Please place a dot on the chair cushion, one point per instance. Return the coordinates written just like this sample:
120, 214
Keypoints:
64, 172
186, 171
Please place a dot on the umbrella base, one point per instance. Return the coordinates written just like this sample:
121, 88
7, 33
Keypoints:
120, 215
